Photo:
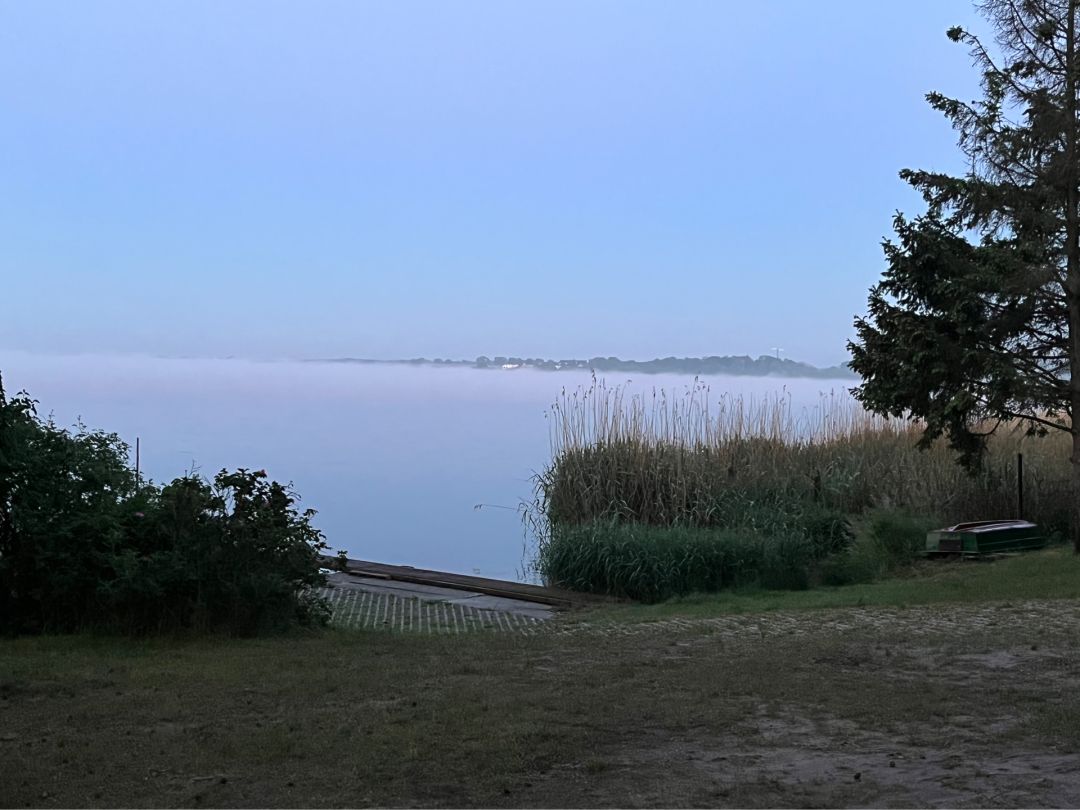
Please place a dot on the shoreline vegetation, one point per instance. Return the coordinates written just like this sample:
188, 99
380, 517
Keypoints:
732, 365
653, 498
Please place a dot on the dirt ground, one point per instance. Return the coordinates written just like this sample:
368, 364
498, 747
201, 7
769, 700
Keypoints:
943, 706
938, 706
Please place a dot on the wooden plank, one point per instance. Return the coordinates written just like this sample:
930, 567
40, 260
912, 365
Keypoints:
443, 579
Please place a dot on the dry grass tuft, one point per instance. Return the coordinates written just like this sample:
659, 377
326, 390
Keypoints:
662, 460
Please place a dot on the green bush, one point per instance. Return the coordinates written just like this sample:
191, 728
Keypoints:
863, 561
83, 545
901, 535
887, 540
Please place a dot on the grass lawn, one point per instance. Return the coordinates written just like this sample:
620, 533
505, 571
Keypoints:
1053, 573
985, 713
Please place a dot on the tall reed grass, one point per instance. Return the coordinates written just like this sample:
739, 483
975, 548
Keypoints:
761, 467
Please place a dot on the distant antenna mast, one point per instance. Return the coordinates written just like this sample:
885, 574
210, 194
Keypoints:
777, 349
137, 481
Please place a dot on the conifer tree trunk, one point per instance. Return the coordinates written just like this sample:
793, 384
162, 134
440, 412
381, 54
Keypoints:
1072, 259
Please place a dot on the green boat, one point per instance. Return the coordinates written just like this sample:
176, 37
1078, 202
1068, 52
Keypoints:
985, 537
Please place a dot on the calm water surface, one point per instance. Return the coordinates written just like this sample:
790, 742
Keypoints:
394, 458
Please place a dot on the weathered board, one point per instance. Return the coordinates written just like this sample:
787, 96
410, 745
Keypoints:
492, 587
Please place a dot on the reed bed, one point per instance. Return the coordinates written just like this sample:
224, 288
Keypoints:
631, 466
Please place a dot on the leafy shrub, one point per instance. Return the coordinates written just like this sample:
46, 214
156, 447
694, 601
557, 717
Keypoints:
82, 545
236, 555
887, 539
901, 535
863, 561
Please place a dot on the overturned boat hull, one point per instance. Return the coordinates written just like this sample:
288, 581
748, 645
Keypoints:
985, 537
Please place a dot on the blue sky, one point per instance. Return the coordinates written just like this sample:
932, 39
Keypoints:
459, 178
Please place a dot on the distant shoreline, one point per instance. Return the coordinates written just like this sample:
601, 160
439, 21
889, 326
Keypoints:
730, 365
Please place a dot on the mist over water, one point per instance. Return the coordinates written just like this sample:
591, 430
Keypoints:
395, 458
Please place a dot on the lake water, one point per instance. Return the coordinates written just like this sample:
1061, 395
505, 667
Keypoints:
395, 458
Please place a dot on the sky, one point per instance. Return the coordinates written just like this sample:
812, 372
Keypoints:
449, 179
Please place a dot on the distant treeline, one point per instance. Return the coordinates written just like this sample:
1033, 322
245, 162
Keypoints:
740, 365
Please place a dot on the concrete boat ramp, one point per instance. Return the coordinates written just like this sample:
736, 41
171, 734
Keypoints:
375, 596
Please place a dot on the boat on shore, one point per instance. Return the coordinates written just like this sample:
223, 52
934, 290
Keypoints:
983, 537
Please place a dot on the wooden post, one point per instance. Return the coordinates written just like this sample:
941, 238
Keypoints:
1020, 485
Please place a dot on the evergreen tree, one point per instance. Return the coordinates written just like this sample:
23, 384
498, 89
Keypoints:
976, 321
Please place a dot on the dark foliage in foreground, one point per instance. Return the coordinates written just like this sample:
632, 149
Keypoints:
83, 544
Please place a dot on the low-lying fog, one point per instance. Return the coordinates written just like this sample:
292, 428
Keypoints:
395, 458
